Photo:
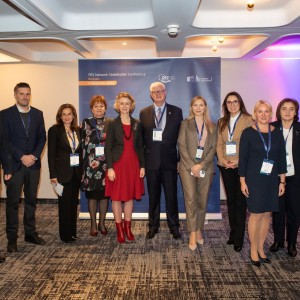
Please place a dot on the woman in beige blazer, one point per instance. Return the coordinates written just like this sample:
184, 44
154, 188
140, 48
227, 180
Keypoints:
230, 127
197, 147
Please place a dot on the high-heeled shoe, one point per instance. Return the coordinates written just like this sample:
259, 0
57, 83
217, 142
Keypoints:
120, 233
104, 231
93, 233
193, 247
264, 260
127, 229
255, 263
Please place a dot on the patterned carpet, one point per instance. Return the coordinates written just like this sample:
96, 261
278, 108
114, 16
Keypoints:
100, 268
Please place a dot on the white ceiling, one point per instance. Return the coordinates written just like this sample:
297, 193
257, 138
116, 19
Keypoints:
66, 30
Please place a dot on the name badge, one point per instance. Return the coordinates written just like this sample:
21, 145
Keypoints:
99, 150
157, 135
230, 148
267, 167
74, 160
199, 152
202, 173
288, 161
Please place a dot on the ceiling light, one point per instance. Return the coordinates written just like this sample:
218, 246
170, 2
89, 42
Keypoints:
250, 4
124, 44
214, 48
221, 39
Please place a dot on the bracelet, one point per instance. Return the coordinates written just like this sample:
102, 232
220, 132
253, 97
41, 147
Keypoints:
284, 183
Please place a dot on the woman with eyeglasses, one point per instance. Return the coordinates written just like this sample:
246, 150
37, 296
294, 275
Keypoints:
262, 171
289, 204
230, 127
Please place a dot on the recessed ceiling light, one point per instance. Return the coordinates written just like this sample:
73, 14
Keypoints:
124, 44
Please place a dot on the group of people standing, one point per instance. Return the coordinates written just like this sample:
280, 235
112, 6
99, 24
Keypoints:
108, 159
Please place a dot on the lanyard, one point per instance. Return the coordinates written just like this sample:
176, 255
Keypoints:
26, 129
160, 119
199, 134
73, 140
229, 129
281, 128
97, 131
267, 148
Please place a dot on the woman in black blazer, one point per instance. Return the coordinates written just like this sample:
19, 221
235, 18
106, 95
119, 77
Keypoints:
64, 161
289, 204
124, 152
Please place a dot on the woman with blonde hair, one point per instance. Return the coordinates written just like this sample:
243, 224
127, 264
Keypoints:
262, 160
124, 152
197, 147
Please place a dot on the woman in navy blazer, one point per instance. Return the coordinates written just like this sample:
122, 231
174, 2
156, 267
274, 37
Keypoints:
64, 161
124, 152
289, 204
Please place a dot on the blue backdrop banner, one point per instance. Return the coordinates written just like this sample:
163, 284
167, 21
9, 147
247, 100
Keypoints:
184, 78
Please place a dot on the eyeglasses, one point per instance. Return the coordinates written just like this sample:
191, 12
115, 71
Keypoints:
234, 102
158, 92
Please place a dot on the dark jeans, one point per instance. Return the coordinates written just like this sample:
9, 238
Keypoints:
289, 213
29, 179
168, 180
236, 203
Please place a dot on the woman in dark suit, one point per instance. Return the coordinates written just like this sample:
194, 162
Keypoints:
289, 204
124, 152
262, 169
65, 168
197, 143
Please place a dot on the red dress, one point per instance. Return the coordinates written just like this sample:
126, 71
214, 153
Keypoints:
128, 185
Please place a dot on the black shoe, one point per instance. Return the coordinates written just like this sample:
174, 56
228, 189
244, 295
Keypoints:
255, 263
230, 242
12, 246
292, 250
264, 260
70, 241
176, 234
2, 259
34, 239
238, 248
151, 233
276, 245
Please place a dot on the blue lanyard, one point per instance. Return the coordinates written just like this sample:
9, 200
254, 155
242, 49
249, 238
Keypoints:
229, 130
97, 131
281, 128
73, 140
26, 129
267, 148
199, 134
160, 119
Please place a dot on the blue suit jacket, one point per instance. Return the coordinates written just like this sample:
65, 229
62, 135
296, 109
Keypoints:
20, 144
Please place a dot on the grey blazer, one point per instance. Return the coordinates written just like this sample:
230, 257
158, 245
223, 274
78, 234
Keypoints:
188, 143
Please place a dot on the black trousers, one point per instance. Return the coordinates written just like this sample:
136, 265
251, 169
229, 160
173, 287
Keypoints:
236, 203
168, 180
29, 179
67, 209
289, 213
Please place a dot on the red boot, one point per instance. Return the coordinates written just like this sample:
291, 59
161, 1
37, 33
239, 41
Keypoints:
120, 233
127, 228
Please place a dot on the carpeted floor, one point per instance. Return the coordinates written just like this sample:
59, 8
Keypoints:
100, 268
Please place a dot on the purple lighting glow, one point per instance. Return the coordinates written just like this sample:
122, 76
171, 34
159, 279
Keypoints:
287, 47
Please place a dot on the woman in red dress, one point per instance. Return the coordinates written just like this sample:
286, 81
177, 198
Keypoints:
124, 152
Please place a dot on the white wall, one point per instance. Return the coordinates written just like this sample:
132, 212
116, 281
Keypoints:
53, 84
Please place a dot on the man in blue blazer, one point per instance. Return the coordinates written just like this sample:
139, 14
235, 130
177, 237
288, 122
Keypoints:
160, 127
25, 129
